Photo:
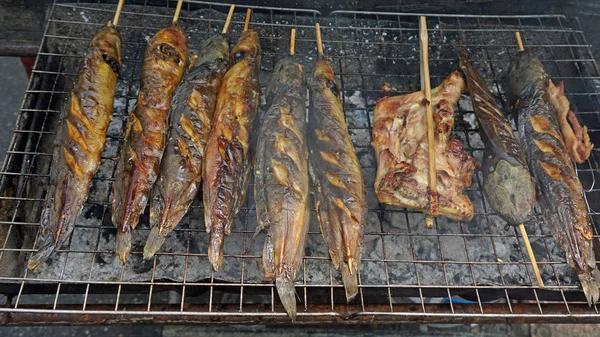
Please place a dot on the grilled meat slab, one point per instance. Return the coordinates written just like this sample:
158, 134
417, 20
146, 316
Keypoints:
281, 188
336, 176
139, 160
80, 140
229, 151
560, 194
507, 183
400, 143
191, 113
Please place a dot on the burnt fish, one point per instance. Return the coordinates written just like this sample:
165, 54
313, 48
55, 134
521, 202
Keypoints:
337, 180
281, 186
507, 183
191, 113
229, 151
560, 194
80, 140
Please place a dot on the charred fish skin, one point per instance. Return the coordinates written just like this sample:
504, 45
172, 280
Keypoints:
507, 183
281, 186
145, 138
229, 151
192, 111
560, 194
337, 180
80, 140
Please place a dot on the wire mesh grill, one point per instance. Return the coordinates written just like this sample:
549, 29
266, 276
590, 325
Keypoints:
474, 271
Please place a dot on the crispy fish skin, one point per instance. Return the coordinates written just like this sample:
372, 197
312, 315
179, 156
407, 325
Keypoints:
80, 140
560, 194
281, 187
192, 111
336, 176
507, 183
229, 151
138, 164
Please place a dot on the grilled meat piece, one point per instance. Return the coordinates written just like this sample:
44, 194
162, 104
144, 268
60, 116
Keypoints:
335, 170
229, 151
281, 188
138, 164
400, 143
560, 194
507, 183
191, 113
80, 140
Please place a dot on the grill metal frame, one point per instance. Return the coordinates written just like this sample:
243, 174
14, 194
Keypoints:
28, 300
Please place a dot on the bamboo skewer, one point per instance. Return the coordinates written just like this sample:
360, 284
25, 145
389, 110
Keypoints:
293, 42
534, 264
247, 22
115, 20
426, 87
177, 11
319, 41
228, 21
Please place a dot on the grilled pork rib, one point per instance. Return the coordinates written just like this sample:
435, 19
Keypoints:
400, 143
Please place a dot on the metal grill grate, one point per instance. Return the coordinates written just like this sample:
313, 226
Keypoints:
474, 271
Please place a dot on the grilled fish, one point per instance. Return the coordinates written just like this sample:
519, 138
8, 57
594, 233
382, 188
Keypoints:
229, 151
80, 140
400, 143
281, 188
336, 176
560, 194
138, 164
192, 110
507, 183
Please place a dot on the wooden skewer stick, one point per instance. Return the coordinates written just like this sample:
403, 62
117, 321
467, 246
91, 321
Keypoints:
534, 264
177, 11
247, 22
293, 42
319, 41
426, 87
115, 20
228, 21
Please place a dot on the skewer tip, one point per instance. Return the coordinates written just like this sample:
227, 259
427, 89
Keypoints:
293, 42
519, 41
247, 21
534, 264
319, 41
115, 20
177, 11
228, 21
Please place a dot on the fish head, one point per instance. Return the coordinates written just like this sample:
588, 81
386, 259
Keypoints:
171, 43
287, 74
248, 46
213, 49
323, 77
108, 41
525, 70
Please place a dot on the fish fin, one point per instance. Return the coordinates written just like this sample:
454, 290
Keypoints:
123, 245
287, 293
215, 250
42, 254
154, 242
350, 282
589, 283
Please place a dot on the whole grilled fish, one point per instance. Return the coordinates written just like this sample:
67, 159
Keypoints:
80, 140
560, 194
281, 188
337, 179
507, 183
138, 164
229, 151
192, 110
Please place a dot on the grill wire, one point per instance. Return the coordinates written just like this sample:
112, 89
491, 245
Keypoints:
369, 50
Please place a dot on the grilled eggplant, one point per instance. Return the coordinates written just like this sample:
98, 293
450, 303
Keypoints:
281, 188
192, 110
560, 194
80, 140
229, 151
139, 161
507, 183
336, 176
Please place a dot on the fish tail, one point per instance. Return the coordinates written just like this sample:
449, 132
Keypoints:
154, 242
215, 249
123, 245
287, 294
42, 254
589, 283
350, 282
